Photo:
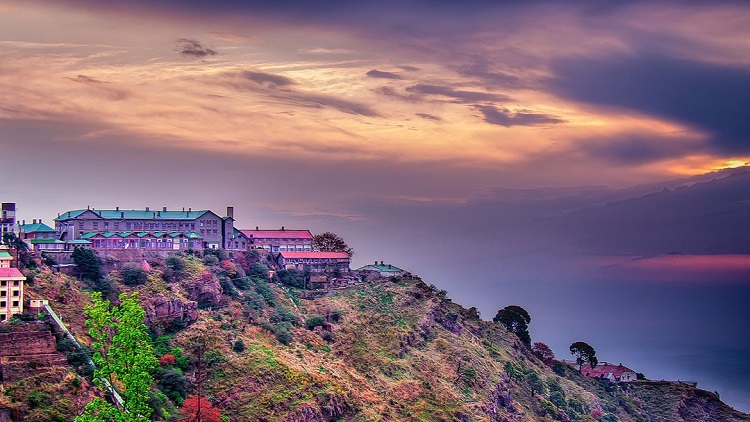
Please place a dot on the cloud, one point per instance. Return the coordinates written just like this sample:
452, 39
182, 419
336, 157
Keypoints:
85, 79
481, 70
429, 116
268, 79
459, 95
268, 84
504, 117
383, 75
194, 48
638, 148
708, 97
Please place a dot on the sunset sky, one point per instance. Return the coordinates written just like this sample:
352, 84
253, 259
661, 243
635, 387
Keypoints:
458, 139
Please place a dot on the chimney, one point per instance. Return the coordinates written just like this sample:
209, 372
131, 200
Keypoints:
183, 209
164, 209
34, 221
158, 213
40, 221
256, 228
376, 262
381, 263
282, 227
23, 222
147, 209
88, 207
230, 212
190, 209
117, 208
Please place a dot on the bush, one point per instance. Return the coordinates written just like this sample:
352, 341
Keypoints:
176, 268
133, 275
239, 346
293, 278
173, 384
315, 321
211, 260
284, 335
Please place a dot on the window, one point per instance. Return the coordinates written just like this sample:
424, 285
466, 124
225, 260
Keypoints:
3, 283
3, 304
80, 224
15, 303
106, 225
3, 293
2, 317
117, 226
96, 224
16, 293
16, 283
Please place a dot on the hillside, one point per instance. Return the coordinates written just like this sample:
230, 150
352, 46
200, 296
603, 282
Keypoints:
384, 350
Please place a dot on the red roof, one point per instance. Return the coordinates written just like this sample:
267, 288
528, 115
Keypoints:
10, 273
315, 254
278, 234
603, 369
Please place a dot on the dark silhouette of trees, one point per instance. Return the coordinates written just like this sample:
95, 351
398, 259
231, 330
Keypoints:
584, 353
331, 242
516, 320
89, 265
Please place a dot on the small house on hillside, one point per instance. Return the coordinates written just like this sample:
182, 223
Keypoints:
314, 261
613, 373
380, 270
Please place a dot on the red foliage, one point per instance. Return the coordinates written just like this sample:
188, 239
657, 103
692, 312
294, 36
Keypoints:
190, 410
596, 414
543, 352
229, 267
241, 261
167, 359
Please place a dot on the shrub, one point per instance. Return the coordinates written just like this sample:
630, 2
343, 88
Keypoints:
167, 359
315, 321
173, 384
133, 275
211, 260
239, 346
284, 335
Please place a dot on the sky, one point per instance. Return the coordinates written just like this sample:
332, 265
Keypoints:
585, 160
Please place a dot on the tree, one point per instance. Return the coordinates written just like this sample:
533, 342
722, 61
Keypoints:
584, 353
516, 320
197, 408
543, 352
18, 245
123, 356
89, 265
331, 242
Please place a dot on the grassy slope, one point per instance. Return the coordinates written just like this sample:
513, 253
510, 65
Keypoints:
394, 351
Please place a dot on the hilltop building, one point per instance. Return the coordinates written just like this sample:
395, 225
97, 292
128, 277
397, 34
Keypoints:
314, 261
613, 373
40, 237
11, 286
147, 229
380, 270
280, 240
7, 217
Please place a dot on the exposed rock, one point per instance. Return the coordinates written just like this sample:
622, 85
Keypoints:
160, 310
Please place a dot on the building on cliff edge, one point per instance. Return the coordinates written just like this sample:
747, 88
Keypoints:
11, 286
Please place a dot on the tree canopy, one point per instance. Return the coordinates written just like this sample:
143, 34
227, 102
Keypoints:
331, 242
123, 356
543, 352
516, 320
584, 353
89, 265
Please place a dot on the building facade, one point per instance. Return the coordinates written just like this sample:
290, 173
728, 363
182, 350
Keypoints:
7, 217
314, 261
40, 237
280, 240
160, 229
11, 286
608, 371
381, 270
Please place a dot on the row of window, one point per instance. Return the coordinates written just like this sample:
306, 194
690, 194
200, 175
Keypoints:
4, 304
4, 293
5, 283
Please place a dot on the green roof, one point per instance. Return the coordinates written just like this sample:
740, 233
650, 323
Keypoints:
79, 242
4, 254
158, 234
37, 227
136, 214
125, 234
88, 235
193, 235
35, 241
109, 234
173, 234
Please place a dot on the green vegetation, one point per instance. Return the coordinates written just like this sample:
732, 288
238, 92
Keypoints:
584, 353
123, 357
516, 320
